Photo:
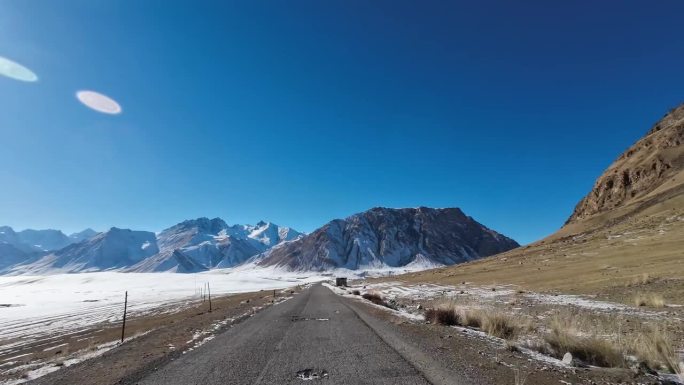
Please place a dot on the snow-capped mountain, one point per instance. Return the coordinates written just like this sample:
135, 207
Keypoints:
113, 249
383, 237
10, 255
270, 234
190, 246
201, 244
30, 240
417, 238
82, 235
9, 236
44, 240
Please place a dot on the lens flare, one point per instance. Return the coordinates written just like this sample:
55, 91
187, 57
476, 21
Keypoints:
99, 102
16, 71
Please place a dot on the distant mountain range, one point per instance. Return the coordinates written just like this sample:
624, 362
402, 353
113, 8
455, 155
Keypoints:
202, 244
378, 238
23, 246
41, 240
190, 246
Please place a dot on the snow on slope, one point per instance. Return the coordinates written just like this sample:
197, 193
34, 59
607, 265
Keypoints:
30, 240
10, 255
200, 244
383, 237
28, 245
191, 246
113, 249
270, 234
45, 240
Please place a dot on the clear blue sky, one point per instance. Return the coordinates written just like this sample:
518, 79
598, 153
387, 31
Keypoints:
299, 112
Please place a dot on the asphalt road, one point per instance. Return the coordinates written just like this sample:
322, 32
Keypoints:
317, 336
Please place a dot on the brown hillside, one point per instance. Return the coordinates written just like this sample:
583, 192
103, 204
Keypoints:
650, 163
630, 226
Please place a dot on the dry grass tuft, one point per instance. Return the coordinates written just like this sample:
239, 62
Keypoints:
374, 297
654, 348
471, 318
590, 349
499, 324
445, 314
649, 300
492, 322
643, 279
378, 300
520, 378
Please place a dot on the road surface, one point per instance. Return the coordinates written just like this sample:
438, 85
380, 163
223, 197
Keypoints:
317, 336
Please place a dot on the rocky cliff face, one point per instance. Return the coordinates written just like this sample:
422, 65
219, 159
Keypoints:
383, 237
652, 161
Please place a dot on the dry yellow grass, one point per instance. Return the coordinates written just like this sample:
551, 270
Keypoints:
566, 336
443, 314
499, 324
650, 300
654, 347
490, 321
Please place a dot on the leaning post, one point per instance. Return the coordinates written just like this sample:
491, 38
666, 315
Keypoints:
123, 325
209, 293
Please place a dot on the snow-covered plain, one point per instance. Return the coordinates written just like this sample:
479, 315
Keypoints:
33, 308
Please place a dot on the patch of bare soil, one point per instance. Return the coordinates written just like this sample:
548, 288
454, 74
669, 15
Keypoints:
150, 341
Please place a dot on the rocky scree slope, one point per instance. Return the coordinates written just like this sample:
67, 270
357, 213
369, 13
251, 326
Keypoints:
384, 237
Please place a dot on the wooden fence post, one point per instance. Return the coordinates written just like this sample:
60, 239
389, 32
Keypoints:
123, 326
209, 292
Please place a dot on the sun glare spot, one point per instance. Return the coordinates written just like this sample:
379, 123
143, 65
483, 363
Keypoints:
16, 71
99, 102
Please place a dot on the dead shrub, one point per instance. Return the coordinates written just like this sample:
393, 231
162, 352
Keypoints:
378, 300
649, 300
443, 315
373, 297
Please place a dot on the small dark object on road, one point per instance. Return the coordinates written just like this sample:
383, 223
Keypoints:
356, 292
310, 374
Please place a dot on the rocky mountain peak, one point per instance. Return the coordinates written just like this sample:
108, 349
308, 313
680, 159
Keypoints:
385, 237
203, 224
641, 170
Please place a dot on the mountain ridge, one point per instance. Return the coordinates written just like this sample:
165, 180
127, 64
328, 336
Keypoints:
387, 237
190, 246
649, 168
